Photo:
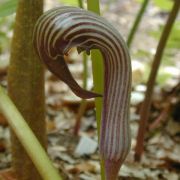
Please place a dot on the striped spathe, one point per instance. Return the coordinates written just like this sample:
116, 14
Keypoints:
60, 29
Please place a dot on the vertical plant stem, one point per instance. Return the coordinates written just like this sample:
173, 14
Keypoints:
144, 114
79, 115
85, 73
98, 71
80, 3
83, 104
27, 138
26, 85
97, 66
137, 22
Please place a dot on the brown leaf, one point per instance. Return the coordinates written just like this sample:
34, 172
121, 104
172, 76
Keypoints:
82, 167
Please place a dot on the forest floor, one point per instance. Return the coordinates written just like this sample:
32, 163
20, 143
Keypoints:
76, 156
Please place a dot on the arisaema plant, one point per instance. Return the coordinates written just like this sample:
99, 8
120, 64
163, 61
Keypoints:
62, 28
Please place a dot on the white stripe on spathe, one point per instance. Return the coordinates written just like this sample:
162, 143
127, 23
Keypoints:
73, 24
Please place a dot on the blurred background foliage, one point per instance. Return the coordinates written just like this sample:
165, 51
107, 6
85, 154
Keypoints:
7, 7
162, 4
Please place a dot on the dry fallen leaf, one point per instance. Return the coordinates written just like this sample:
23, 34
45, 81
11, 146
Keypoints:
82, 167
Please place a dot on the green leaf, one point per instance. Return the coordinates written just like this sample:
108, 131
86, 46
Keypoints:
165, 5
70, 2
8, 7
163, 76
174, 38
140, 1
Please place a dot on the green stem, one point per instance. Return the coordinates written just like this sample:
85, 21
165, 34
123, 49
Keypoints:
85, 74
144, 114
137, 22
98, 71
27, 138
93, 5
80, 3
83, 104
97, 66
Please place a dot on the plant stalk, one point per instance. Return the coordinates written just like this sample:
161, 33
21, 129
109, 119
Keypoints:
83, 104
27, 138
80, 3
26, 85
98, 71
137, 22
144, 113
